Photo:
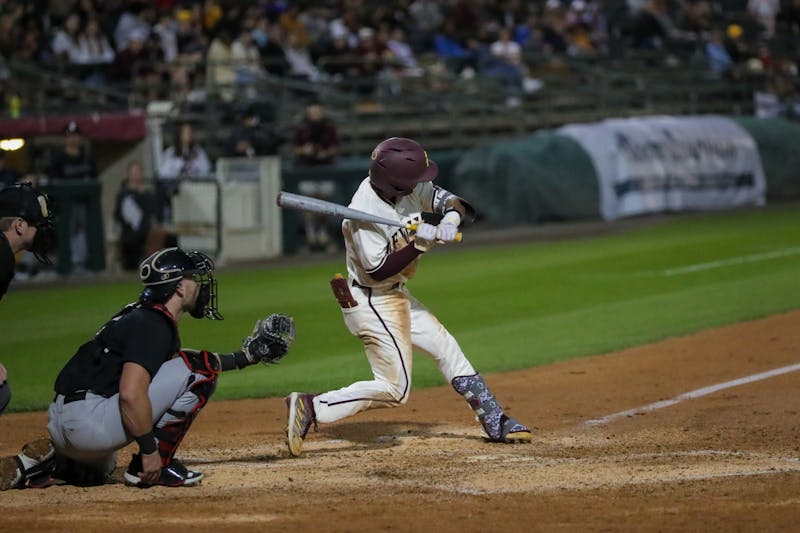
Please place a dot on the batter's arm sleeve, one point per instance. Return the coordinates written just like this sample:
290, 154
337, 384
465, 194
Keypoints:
395, 262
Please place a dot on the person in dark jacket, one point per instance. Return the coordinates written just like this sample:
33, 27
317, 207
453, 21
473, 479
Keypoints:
136, 210
26, 223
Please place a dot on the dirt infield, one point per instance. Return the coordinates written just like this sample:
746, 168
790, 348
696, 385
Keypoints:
718, 459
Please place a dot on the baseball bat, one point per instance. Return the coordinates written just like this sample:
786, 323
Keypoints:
315, 205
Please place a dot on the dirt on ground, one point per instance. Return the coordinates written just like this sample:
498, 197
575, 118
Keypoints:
654, 438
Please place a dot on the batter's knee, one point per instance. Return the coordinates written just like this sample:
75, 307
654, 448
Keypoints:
399, 395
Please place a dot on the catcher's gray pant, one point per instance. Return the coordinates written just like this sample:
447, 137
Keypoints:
391, 323
90, 431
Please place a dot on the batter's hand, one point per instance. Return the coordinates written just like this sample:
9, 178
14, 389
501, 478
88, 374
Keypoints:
425, 237
151, 468
446, 232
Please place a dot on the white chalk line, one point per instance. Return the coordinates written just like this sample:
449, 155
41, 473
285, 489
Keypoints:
693, 394
740, 260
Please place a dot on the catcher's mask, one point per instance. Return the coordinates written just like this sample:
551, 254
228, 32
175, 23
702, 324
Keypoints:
162, 272
26, 202
398, 164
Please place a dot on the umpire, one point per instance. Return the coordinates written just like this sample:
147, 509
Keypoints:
26, 223
132, 382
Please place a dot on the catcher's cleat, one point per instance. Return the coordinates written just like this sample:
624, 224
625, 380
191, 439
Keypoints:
173, 475
37, 460
301, 416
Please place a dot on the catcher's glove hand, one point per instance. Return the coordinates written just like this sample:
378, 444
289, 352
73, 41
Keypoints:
271, 339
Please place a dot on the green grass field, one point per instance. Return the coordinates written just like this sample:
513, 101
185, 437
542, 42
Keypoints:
510, 307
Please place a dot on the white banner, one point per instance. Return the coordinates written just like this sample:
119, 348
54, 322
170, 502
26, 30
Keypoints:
662, 163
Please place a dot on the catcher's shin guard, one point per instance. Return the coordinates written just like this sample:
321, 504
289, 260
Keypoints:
37, 460
172, 427
498, 426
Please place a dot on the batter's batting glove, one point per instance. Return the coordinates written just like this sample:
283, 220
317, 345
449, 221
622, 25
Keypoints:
425, 237
446, 232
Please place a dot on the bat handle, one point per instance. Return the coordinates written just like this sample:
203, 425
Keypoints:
413, 227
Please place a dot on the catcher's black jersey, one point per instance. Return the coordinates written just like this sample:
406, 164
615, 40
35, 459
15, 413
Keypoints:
7, 262
147, 336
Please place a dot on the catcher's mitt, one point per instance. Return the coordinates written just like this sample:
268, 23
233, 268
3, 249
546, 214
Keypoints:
270, 340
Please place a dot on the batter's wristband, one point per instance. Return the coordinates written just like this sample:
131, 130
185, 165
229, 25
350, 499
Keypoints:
147, 443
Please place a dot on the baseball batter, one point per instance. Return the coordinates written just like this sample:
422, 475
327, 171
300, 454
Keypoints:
380, 310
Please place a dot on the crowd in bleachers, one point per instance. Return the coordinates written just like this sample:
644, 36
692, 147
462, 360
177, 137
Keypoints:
172, 48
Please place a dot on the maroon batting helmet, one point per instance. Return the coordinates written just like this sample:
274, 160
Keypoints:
398, 164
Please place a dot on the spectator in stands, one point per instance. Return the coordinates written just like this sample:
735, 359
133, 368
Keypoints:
765, 12
66, 45
136, 211
136, 21
301, 66
504, 64
402, 51
185, 158
247, 58
316, 141
719, 60
94, 48
94, 53
448, 48
74, 163
252, 137
220, 72
293, 26
270, 48
654, 27
167, 31
316, 138
338, 62
371, 57
554, 37
426, 20
190, 39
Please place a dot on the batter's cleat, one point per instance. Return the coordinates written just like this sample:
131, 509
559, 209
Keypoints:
37, 460
173, 475
512, 431
300, 417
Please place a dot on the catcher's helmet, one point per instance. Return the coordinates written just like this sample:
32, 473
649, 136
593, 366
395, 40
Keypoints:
162, 271
24, 201
398, 164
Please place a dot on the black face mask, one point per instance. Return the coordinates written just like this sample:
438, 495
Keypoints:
44, 243
206, 304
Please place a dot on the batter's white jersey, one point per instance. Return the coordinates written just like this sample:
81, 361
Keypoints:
388, 319
369, 243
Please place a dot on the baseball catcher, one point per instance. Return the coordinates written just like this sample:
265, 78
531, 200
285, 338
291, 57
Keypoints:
133, 382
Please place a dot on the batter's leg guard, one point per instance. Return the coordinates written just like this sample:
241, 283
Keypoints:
498, 426
35, 462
